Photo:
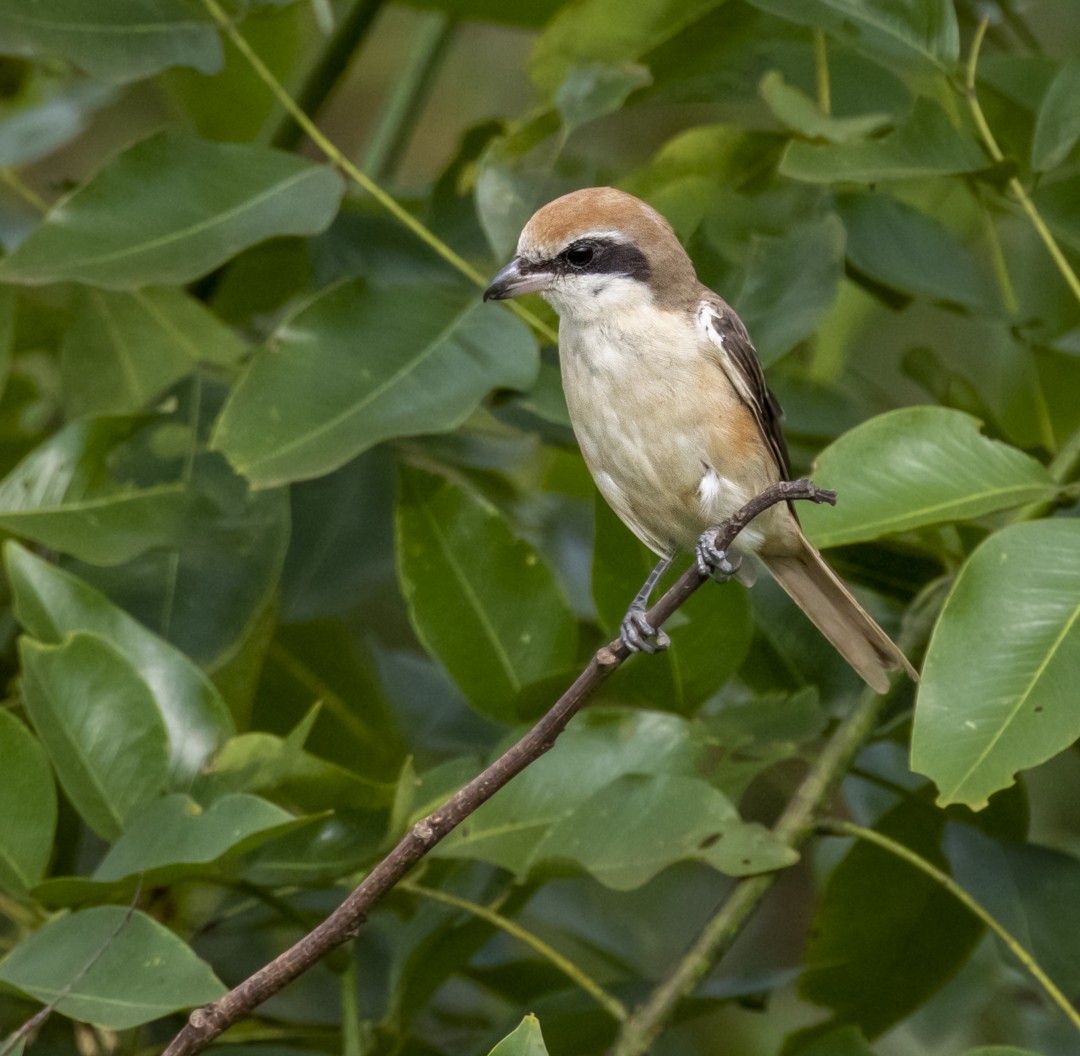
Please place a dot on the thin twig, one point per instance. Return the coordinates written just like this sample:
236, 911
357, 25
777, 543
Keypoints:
836, 827
345, 922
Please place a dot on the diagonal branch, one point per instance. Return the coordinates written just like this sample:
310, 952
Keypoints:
345, 922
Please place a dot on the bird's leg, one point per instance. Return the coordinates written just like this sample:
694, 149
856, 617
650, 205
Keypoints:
711, 560
637, 634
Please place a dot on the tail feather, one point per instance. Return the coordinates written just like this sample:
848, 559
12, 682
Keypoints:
832, 608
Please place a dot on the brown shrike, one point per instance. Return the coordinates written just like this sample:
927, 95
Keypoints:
671, 409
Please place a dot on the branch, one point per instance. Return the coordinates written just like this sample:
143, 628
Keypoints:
345, 922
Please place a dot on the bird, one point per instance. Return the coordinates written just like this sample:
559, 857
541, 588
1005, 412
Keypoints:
672, 412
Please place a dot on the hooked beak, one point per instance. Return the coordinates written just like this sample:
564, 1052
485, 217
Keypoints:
515, 279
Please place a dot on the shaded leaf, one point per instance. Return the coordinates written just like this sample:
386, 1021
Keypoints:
140, 972
54, 117
594, 90
918, 466
358, 365
113, 40
100, 725
124, 350
638, 825
526, 1040
999, 683
920, 33
51, 604
886, 936
900, 246
27, 807
177, 831
1057, 127
795, 109
63, 495
925, 144
485, 603
188, 205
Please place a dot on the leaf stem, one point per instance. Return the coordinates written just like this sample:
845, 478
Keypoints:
611, 1004
835, 827
1015, 185
384, 199
821, 66
26, 193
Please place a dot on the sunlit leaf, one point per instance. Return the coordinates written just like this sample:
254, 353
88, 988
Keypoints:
485, 603
358, 365
100, 725
918, 466
999, 683
27, 807
526, 1040
801, 114
187, 206
123, 968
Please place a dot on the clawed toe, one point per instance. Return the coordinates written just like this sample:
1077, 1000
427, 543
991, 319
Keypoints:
713, 562
638, 635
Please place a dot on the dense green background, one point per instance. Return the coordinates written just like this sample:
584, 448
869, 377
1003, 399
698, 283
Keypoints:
297, 533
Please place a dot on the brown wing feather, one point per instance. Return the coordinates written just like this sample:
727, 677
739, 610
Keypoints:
739, 361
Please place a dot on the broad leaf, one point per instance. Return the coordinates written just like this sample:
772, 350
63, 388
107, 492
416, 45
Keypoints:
526, 1040
27, 807
123, 968
886, 935
113, 40
1057, 127
896, 244
609, 32
188, 206
918, 466
594, 90
796, 110
360, 364
100, 725
52, 116
999, 683
63, 496
176, 831
50, 604
638, 825
485, 603
125, 349
918, 33
925, 144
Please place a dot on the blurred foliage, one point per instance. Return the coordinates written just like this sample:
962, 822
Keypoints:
297, 535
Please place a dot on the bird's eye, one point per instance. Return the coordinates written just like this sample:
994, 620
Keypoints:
580, 255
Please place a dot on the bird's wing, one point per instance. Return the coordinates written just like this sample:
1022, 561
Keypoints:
739, 361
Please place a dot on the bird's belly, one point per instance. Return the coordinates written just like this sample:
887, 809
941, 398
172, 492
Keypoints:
662, 449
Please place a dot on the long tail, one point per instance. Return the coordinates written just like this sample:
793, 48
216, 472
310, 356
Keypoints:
821, 594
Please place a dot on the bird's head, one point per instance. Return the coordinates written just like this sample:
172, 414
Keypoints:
593, 250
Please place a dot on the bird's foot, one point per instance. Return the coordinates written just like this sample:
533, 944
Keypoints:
640, 636
712, 561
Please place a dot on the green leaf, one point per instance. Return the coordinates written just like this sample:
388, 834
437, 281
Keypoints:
595, 90
526, 1040
998, 690
123, 968
1057, 127
100, 725
176, 831
797, 111
124, 350
922, 34
900, 246
632, 829
360, 364
918, 466
482, 601
50, 604
187, 205
925, 144
886, 936
788, 283
48, 117
27, 807
63, 496
114, 40
608, 32
841, 1041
